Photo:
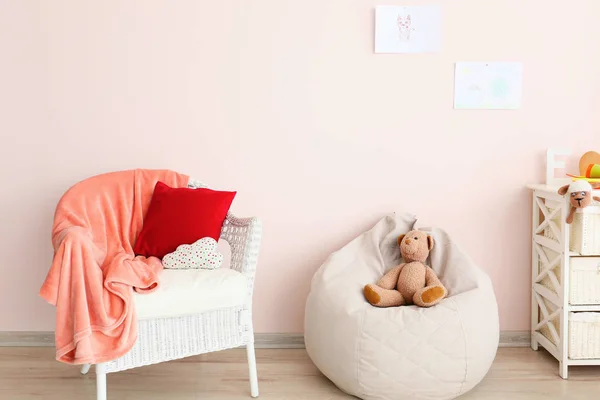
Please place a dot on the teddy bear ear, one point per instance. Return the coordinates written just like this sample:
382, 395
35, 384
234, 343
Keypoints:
400, 239
563, 190
429, 242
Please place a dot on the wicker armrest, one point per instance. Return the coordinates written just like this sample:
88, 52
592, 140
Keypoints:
243, 236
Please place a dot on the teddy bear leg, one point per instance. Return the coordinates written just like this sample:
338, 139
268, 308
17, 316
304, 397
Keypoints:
432, 293
429, 295
381, 297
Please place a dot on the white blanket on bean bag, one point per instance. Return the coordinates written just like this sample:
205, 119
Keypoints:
402, 352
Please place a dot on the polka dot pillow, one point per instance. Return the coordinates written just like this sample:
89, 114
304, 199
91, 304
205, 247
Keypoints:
201, 254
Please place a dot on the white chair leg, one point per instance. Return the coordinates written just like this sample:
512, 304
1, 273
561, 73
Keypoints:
85, 368
100, 381
252, 369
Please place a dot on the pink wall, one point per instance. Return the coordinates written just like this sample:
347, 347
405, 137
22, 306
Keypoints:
285, 102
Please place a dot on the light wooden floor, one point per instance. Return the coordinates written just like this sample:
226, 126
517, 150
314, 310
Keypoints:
32, 373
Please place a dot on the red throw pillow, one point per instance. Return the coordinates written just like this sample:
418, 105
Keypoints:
179, 216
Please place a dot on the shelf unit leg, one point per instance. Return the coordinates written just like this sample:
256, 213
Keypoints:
564, 370
564, 281
534, 271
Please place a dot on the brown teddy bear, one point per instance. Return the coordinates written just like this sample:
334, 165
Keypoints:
411, 282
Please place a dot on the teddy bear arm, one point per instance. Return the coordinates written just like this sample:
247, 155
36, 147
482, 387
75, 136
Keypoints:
596, 198
390, 279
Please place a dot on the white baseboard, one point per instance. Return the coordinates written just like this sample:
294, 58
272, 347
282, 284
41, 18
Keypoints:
515, 339
46, 339
279, 340
26, 339
261, 340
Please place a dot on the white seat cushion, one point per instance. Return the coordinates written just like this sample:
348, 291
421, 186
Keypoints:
192, 291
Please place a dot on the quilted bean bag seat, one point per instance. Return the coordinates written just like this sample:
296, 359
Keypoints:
402, 352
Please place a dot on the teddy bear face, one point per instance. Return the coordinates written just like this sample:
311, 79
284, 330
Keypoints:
415, 246
579, 193
581, 199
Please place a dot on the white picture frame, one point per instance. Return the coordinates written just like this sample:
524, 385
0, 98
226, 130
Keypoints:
407, 29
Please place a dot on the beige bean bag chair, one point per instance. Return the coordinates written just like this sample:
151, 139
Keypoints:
402, 352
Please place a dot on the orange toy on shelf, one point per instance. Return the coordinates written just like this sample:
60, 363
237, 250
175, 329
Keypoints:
589, 168
590, 157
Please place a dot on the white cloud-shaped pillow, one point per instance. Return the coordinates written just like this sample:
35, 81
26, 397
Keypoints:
201, 254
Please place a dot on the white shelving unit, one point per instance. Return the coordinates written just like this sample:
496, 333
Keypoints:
552, 261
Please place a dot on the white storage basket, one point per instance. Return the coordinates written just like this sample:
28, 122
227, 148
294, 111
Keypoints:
584, 335
584, 280
584, 231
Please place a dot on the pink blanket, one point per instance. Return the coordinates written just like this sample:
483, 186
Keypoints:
95, 271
